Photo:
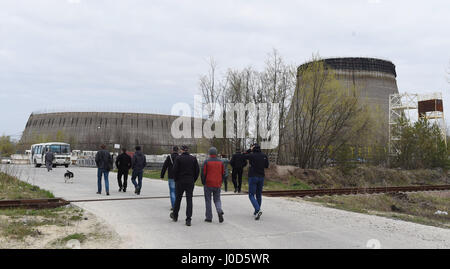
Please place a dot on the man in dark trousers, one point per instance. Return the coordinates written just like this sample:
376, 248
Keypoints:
123, 164
258, 161
168, 165
138, 164
237, 163
49, 157
213, 171
104, 163
185, 171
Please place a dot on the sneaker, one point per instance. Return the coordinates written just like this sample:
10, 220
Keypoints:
120, 189
208, 220
188, 222
99, 193
258, 215
135, 190
235, 191
221, 217
107, 193
172, 216
124, 190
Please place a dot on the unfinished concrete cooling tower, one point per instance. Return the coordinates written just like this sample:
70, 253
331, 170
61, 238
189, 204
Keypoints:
87, 130
374, 78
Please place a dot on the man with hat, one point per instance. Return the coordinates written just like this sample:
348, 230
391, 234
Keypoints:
213, 171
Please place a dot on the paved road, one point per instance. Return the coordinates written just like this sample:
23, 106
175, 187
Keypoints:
284, 223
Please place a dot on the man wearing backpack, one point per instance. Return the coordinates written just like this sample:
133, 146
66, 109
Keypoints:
104, 163
168, 165
138, 164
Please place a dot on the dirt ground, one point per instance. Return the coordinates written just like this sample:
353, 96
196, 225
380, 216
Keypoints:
87, 229
429, 208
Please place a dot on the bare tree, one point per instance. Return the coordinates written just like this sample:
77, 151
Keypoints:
278, 82
274, 85
211, 89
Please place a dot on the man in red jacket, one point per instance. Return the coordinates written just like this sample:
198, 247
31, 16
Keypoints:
213, 172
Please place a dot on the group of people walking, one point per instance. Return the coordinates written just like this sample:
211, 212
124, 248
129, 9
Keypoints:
183, 171
124, 163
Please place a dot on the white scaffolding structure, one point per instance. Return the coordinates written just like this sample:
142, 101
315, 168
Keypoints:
407, 104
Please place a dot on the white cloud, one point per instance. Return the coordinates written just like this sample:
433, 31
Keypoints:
151, 53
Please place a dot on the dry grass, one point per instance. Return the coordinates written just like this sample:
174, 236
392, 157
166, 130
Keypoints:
415, 207
11, 188
362, 176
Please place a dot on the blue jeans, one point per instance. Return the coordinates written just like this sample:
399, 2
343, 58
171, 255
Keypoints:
255, 187
105, 173
172, 191
139, 175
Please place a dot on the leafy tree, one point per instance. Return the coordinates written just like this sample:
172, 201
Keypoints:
7, 146
420, 145
344, 159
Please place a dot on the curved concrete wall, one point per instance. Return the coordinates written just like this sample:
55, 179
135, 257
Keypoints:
374, 78
87, 130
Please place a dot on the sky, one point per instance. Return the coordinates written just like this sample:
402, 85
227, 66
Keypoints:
146, 56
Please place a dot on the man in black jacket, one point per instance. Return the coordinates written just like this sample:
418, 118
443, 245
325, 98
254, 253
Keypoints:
168, 165
237, 163
186, 172
104, 163
138, 164
258, 161
123, 164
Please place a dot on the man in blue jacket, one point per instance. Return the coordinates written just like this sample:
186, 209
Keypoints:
168, 165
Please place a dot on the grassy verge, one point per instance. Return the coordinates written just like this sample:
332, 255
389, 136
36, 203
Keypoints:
11, 188
81, 237
413, 207
282, 178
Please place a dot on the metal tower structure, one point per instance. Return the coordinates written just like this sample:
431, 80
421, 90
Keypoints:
410, 106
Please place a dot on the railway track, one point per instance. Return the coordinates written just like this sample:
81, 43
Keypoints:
57, 202
347, 191
33, 203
